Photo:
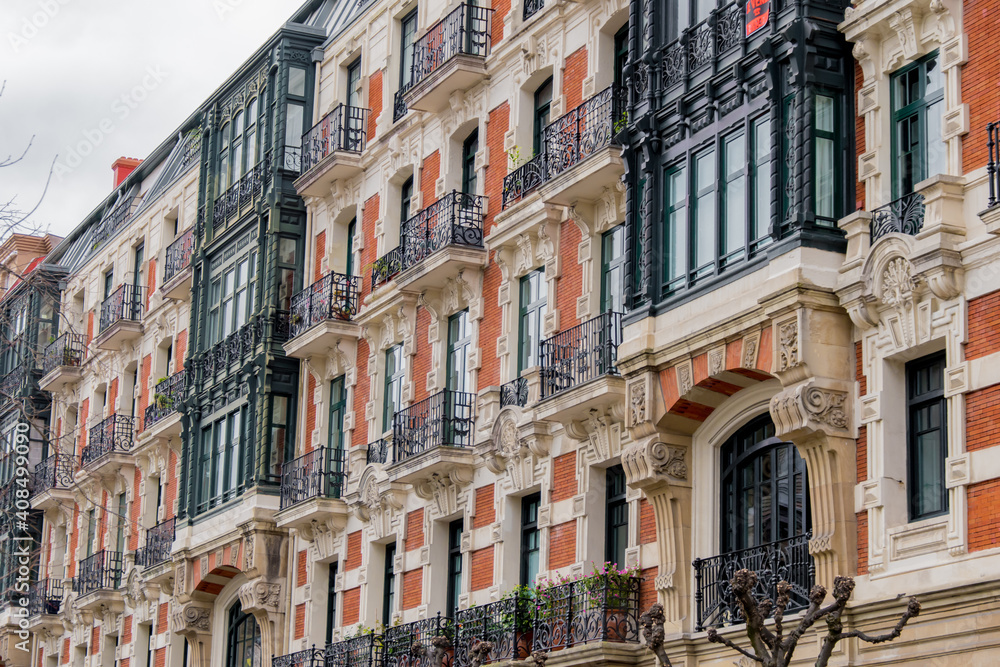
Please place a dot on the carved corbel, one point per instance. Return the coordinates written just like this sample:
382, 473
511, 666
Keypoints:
190, 620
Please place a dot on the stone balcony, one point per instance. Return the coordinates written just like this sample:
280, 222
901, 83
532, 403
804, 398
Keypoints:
121, 317
177, 269
311, 490
61, 362
434, 437
323, 314
331, 150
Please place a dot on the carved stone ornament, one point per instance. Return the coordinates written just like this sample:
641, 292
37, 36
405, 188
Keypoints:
669, 460
190, 619
133, 590
716, 361
637, 403
684, 382
898, 284
788, 340
652, 462
826, 406
260, 595
809, 408
508, 444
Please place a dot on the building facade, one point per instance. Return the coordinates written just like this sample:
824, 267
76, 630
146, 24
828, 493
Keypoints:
502, 321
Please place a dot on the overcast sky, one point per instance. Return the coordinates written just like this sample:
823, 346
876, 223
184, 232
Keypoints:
93, 80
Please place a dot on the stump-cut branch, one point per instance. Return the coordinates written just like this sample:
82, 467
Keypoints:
480, 653
651, 623
435, 654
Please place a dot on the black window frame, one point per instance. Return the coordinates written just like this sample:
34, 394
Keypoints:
916, 400
237, 637
331, 601
541, 111
353, 82
616, 516
455, 529
388, 583
612, 266
620, 54
529, 355
530, 505
470, 179
407, 26
917, 110
405, 200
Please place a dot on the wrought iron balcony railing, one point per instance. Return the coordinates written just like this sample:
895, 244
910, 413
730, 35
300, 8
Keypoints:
166, 395
387, 266
45, 597
243, 193
902, 216
532, 7
398, 641
569, 140
114, 434
67, 350
335, 296
378, 451
600, 608
102, 571
159, 540
993, 164
310, 657
466, 30
362, 651
506, 623
455, 219
125, 303
113, 221
699, 47
178, 255
578, 355
55, 472
343, 129
319, 474
13, 383
445, 419
239, 346
785, 560
514, 392
399, 109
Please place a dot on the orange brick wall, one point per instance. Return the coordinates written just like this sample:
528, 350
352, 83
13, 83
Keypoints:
564, 477
412, 588
359, 436
300, 620
133, 538
126, 662
414, 530
127, 630
320, 253
982, 409
102, 521
74, 542
65, 651
352, 606
859, 137
113, 396
84, 414
979, 79
369, 216
984, 515
570, 284
485, 511
90, 330
574, 72
171, 493
353, 559
150, 280
147, 364
647, 522
500, 9
422, 360
862, 444
647, 589
301, 569
163, 618
161, 657
95, 639
496, 170
562, 545
310, 411
862, 542
180, 349
374, 101
430, 171
482, 568
984, 325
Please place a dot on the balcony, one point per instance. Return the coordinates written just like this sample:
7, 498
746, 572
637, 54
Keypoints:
177, 271
109, 443
578, 372
387, 266
61, 362
362, 651
398, 641
54, 481
163, 418
311, 487
44, 605
12, 384
378, 451
506, 623
433, 436
240, 346
449, 57
159, 540
585, 136
441, 240
532, 7
332, 149
902, 216
599, 608
121, 317
322, 314
98, 580
514, 393
787, 560
399, 109
241, 196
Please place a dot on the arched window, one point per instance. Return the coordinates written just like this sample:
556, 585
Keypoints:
243, 647
764, 492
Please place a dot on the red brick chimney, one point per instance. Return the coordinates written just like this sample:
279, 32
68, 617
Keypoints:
122, 167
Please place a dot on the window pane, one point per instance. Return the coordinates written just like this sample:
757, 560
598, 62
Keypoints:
735, 195
293, 125
762, 178
296, 81
705, 219
675, 239
825, 178
824, 113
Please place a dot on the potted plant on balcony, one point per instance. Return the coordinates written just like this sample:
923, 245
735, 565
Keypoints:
613, 592
516, 621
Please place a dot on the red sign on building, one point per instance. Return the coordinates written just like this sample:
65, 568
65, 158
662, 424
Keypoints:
757, 14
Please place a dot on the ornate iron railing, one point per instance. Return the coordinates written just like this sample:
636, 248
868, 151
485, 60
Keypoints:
787, 560
993, 164
335, 296
378, 451
466, 30
455, 219
67, 350
902, 216
159, 540
310, 657
319, 474
114, 434
125, 303
698, 47
387, 266
399, 109
514, 392
398, 641
445, 419
55, 472
166, 394
361, 651
13, 382
532, 7
45, 597
243, 193
600, 608
343, 129
113, 221
178, 256
570, 139
578, 355
102, 571
506, 623
239, 346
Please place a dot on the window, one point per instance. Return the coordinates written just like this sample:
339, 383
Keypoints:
388, 583
224, 454
534, 292
704, 231
243, 641
288, 254
613, 270
459, 342
927, 437
764, 491
352, 228
137, 265
405, 198
469, 149
282, 432
530, 538
120, 524
395, 375
408, 38
917, 107
621, 54
238, 146
454, 566
354, 83
543, 104
760, 218
683, 14
88, 545
331, 602
295, 117
150, 647
109, 282
334, 464
734, 184
616, 517
825, 156
232, 295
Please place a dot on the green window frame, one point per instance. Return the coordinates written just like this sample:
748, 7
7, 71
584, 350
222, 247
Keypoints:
109, 282
534, 298
405, 199
88, 550
338, 408
734, 198
704, 234
826, 190
459, 343
621, 54
408, 39
530, 539
917, 95
352, 229
616, 516
395, 376
120, 523
469, 149
238, 147
454, 566
295, 116
927, 437
232, 296
243, 640
331, 601
388, 583
760, 217
613, 270
542, 110
353, 96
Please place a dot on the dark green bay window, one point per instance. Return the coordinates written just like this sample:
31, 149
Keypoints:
395, 375
239, 145
534, 296
295, 116
917, 105
232, 289
927, 437
224, 457
613, 270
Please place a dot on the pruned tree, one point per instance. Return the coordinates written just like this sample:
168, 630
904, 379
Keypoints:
772, 647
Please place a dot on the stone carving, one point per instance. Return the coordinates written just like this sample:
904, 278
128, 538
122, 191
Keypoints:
443, 489
684, 382
247, 549
750, 352
716, 361
668, 460
191, 619
133, 590
266, 595
788, 338
637, 403
826, 406
508, 445
897, 284
808, 407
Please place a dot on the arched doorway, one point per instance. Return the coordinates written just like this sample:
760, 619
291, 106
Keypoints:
243, 640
